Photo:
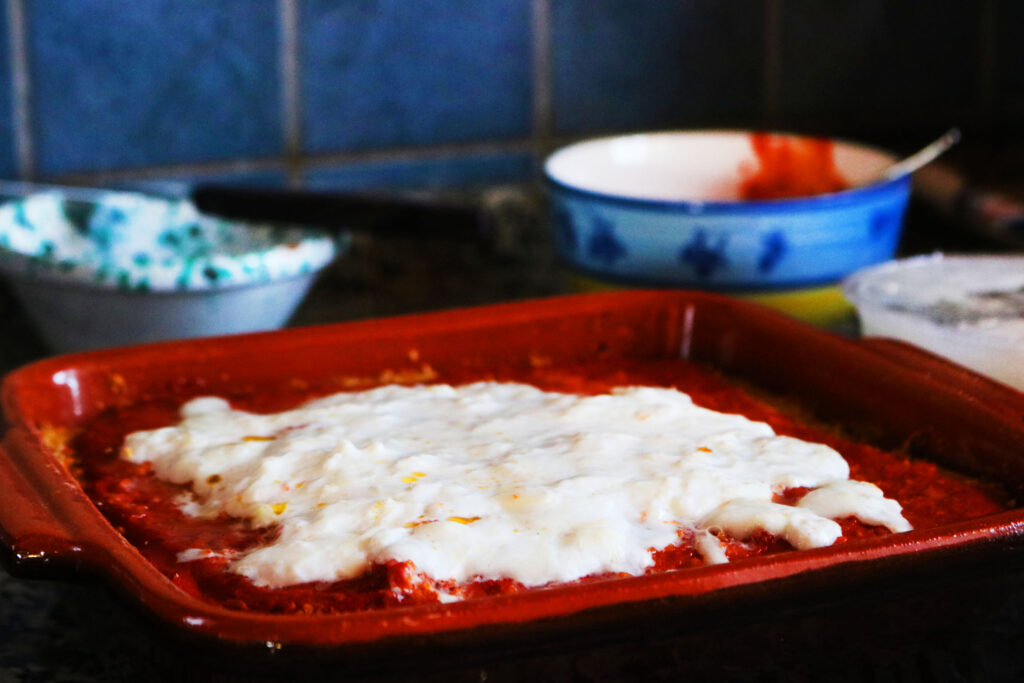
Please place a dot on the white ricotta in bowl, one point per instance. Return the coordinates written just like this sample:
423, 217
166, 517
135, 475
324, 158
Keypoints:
498, 480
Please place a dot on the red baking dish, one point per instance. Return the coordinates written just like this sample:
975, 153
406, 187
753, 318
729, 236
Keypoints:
894, 393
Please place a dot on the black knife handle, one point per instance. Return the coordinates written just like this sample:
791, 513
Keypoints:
385, 215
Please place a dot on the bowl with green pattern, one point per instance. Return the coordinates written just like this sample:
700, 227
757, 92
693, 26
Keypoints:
129, 268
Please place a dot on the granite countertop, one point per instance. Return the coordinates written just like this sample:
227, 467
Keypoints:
63, 631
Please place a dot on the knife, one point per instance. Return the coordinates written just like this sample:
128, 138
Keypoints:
389, 215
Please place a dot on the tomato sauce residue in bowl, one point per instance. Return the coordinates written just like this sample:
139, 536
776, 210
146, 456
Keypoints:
789, 167
147, 510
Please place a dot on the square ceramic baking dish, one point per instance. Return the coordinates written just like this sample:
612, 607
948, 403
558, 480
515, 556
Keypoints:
898, 396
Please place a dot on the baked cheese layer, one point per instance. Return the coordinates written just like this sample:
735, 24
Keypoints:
498, 480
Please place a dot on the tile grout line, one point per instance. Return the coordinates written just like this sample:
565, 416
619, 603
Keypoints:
21, 91
771, 61
523, 145
543, 114
291, 87
326, 160
398, 154
161, 172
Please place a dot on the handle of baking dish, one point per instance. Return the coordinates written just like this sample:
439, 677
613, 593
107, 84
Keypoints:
901, 351
33, 540
928, 363
914, 358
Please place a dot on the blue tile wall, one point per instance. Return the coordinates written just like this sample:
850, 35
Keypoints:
379, 73
152, 83
621, 64
877, 63
8, 160
444, 88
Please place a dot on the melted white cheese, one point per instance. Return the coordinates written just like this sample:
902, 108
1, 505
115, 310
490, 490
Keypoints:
710, 548
741, 517
861, 499
496, 480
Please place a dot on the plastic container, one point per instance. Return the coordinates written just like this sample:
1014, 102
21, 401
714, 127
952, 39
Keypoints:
969, 309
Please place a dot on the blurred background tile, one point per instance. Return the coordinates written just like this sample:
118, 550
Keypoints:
123, 89
419, 174
619, 64
395, 73
1008, 79
8, 153
868, 67
153, 83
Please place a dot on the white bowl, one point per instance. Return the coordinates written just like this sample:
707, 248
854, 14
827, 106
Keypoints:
131, 269
969, 309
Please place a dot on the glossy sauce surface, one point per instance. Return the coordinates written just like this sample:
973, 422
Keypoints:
147, 511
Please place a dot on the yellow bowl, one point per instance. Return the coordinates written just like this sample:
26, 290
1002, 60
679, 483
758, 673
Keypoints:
820, 306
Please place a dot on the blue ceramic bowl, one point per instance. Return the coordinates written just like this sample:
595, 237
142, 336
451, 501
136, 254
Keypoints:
661, 210
129, 269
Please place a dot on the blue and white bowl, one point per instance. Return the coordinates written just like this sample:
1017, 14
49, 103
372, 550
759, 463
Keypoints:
661, 210
129, 268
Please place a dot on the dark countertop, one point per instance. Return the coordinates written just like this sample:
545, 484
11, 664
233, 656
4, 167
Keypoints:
59, 631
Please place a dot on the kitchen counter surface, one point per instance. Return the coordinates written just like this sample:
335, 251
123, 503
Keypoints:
57, 631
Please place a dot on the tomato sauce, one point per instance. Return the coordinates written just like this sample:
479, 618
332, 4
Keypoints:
147, 511
790, 167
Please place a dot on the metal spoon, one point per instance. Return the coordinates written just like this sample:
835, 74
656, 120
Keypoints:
923, 156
